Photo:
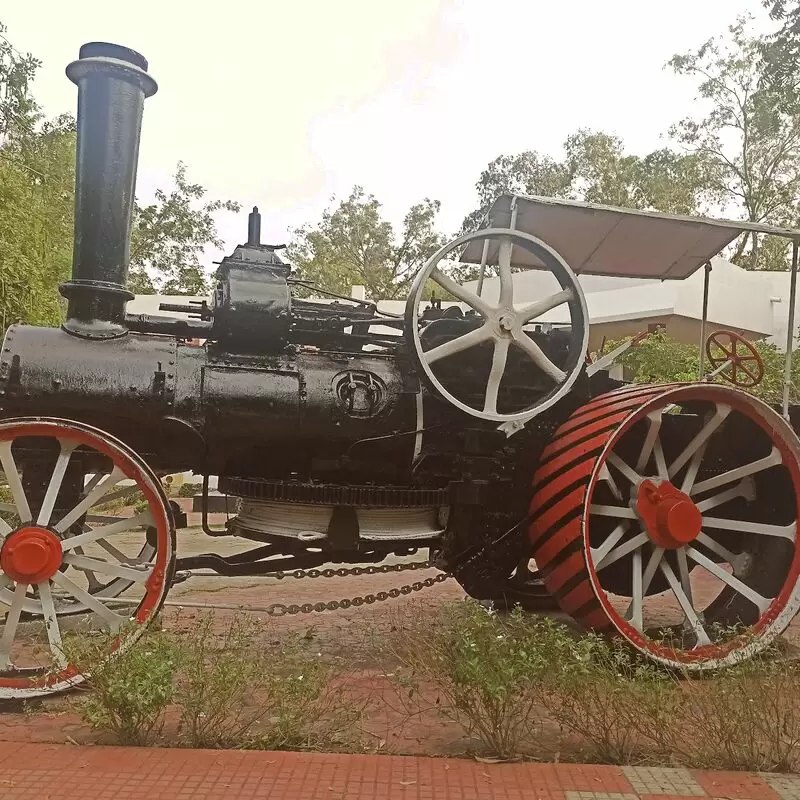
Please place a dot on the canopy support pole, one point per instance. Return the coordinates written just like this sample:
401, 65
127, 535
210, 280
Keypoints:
787, 372
706, 278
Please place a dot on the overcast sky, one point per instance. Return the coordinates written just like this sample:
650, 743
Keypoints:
284, 103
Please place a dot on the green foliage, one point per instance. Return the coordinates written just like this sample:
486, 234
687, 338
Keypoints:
660, 359
354, 245
130, 693
169, 237
750, 136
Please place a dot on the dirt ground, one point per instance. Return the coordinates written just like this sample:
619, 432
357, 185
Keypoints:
344, 635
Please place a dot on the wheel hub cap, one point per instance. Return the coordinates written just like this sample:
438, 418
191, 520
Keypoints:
670, 516
31, 555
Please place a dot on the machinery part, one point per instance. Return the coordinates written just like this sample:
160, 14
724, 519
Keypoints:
37, 546
605, 361
332, 493
622, 513
502, 325
315, 522
735, 359
112, 86
525, 588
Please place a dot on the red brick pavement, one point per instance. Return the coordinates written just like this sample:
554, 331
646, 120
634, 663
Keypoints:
65, 772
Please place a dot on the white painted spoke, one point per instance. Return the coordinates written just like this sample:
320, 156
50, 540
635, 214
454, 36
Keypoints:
106, 568
652, 566
683, 572
119, 555
716, 548
450, 348
540, 307
599, 553
700, 439
685, 604
772, 460
634, 477
504, 270
82, 539
654, 420
89, 500
636, 609
464, 295
647, 578
760, 528
92, 482
126, 491
605, 475
51, 624
661, 461
5, 529
618, 512
112, 619
91, 578
762, 603
538, 357
56, 479
623, 550
496, 375
10, 625
22, 509
745, 488
693, 468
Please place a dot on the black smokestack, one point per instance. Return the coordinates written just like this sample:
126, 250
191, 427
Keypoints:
112, 86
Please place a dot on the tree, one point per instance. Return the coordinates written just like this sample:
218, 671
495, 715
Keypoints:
597, 169
169, 237
354, 245
780, 52
751, 134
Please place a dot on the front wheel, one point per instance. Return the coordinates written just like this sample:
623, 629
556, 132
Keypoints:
52, 562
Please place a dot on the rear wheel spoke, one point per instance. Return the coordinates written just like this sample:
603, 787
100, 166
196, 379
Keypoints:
51, 624
22, 509
762, 603
686, 605
10, 625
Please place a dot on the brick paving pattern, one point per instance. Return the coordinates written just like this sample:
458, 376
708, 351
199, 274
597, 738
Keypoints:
29, 771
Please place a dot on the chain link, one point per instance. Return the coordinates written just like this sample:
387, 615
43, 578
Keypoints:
344, 572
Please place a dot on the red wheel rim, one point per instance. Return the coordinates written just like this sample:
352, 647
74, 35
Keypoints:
31, 682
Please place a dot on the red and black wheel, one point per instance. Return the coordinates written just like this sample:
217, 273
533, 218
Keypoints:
83, 520
668, 515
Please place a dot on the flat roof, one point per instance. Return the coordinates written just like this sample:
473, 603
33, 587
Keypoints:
619, 242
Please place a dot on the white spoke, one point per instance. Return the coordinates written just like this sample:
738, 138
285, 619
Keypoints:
599, 553
145, 518
618, 512
605, 475
654, 420
746, 489
685, 604
496, 375
51, 624
56, 479
636, 615
464, 295
540, 307
92, 482
127, 491
661, 461
623, 550
762, 603
693, 468
91, 499
10, 625
119, 555
471, 339
107, 568
760, 528
22, 509
652, 566
538, 357
634, 477
113, 620
683, 572
91, 578
649, 573
700, 439
716, 548
504, 269
772, 460
5, 529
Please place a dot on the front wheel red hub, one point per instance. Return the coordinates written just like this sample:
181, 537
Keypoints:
671, 519
31, 555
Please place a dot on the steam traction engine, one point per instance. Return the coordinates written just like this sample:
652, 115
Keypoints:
341, 434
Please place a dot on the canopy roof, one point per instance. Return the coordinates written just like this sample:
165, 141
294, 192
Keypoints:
603, 240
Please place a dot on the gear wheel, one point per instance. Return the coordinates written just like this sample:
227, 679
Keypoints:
332, 494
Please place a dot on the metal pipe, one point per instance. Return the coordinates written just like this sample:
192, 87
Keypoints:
112, 85
706, 278
787, 372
